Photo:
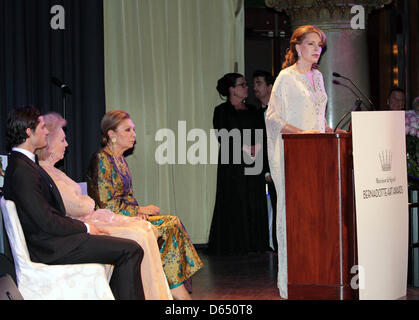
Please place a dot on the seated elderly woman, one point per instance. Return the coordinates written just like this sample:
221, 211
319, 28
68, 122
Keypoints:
110, 185
82, 207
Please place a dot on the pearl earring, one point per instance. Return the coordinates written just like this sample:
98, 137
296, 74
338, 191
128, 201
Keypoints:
299, 54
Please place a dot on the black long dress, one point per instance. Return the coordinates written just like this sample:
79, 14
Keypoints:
240, 220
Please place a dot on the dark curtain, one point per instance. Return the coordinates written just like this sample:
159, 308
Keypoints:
31, 52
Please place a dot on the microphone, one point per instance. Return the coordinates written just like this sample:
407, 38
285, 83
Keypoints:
356, 105
355, 94
61, 85
344, 85
337, 75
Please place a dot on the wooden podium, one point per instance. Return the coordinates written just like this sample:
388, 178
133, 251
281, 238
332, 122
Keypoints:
321, 222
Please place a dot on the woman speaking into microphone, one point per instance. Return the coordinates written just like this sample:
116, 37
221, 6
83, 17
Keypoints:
297, 105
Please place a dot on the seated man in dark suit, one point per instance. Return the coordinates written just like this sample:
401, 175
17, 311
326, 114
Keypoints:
53, 238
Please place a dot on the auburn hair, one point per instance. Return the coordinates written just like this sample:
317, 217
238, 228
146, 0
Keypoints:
297, 37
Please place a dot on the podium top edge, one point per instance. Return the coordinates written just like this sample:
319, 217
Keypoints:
316, 135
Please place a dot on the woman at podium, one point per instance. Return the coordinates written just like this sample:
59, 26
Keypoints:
297, 105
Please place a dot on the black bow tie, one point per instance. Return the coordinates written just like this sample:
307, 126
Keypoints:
36, 159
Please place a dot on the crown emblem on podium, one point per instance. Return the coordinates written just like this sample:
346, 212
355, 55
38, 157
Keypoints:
386, 158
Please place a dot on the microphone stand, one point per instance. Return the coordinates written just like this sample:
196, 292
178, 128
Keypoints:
335, 74
64, 91
64, 104
356, 105
64, 99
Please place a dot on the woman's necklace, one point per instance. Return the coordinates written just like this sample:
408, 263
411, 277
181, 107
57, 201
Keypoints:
49, 163
52, 171
120, 164
309, 76
119, 161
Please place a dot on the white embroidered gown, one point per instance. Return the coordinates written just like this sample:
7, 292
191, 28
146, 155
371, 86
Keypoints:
293, 101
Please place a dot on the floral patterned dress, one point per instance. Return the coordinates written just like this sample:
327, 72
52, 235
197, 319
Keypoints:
110, 185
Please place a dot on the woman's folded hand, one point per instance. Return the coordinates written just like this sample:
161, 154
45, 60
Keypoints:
150, 210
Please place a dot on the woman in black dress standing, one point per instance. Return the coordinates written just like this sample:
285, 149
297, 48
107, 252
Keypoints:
240, 220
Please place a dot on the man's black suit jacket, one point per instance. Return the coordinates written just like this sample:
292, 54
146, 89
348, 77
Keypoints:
49, 234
